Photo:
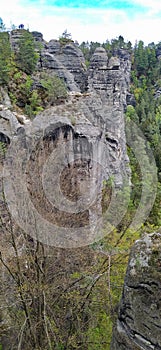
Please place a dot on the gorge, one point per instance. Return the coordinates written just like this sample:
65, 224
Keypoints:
60, 169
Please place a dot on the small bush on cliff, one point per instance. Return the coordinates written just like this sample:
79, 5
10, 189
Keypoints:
65, 38
19, 87
34, 106
54, 88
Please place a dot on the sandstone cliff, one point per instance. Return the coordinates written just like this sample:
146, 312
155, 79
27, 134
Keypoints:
91, 121
89, 126
106, 83
139, 321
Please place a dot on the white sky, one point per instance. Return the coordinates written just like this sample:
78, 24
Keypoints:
143, 22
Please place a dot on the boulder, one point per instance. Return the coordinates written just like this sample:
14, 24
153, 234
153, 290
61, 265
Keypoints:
37, 36
99, 59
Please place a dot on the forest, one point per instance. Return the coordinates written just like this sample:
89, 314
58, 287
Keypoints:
52, 298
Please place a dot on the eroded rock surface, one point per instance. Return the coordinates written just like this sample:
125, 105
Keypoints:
93, 115
67, 62
139, 321
105, 88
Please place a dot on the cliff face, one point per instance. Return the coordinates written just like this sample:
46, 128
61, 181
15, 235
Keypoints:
90, 123
139, 321
106, 83
73, 147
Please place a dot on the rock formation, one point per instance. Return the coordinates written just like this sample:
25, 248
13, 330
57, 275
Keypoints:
93, 118
139, 322
90, 127
104, 87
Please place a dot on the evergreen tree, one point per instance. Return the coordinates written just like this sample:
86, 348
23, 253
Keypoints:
141, 58
65, 38
5, 57
27, 57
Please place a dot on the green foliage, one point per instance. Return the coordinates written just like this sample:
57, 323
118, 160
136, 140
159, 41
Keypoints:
13, 98
119, 43
5, 57
23, 93
131, 113
98, 337
146, 81
84, 302
54, 87
2, 149
145, 59
65, 38
27, 57
19, 88
35, 105
17, 75
88, 48
155, 215
114, 252
59, 347
26, 86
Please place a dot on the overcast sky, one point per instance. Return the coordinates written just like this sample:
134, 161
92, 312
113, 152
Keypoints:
87, 19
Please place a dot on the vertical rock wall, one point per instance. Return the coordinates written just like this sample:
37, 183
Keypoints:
94, 108
139, 322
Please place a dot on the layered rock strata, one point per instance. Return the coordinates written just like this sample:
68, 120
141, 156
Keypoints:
93, 118
139, 322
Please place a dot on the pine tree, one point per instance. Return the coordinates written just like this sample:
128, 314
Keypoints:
27, 57
5, 57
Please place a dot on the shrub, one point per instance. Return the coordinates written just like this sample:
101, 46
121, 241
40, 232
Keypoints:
54, 87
